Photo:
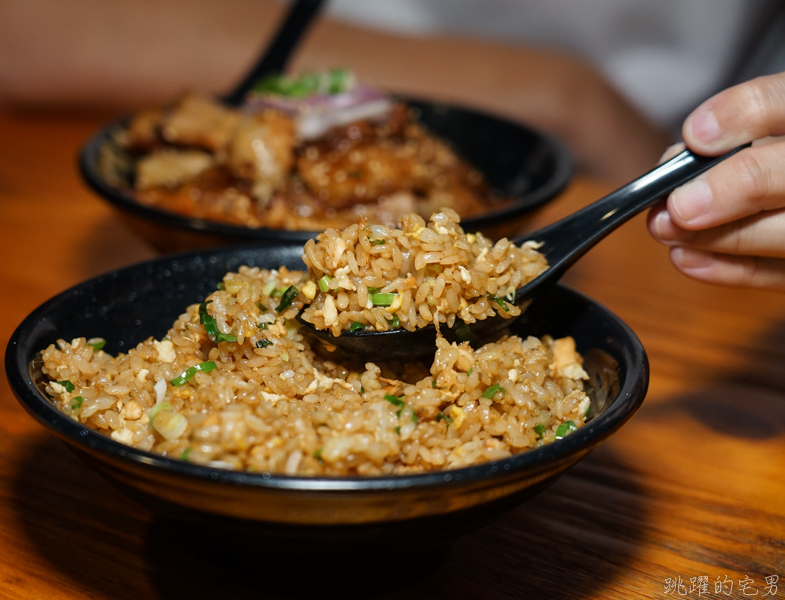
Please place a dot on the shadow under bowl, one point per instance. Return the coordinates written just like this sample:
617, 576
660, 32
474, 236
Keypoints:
517, 161
426, 510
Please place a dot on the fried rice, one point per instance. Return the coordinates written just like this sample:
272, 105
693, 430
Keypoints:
377, 277
235, 384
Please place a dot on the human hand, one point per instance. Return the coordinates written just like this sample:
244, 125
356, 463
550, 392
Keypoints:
727, 226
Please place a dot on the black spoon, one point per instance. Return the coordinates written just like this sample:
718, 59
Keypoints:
275, 57
563, 243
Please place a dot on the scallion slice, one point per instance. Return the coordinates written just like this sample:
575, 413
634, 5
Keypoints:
287, 298
382, 299
565, 428
445, 418
394, 322
376, 242
69, 387
540, 429
500, 301
466, 335
334, 81
356, 326
394, 400
186, 452
263, 343
211, 327
262, 307
204, 367
491, 391
324, 283
96, 343
77, 403
158, 408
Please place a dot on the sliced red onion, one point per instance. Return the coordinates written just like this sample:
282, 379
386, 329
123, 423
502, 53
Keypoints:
315, 124
315, 115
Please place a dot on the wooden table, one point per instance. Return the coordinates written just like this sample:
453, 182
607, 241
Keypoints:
692, 487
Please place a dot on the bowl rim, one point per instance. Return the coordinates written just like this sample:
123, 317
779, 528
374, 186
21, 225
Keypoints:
88, 154
17, 366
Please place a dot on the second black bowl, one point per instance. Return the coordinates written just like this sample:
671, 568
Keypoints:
517, 161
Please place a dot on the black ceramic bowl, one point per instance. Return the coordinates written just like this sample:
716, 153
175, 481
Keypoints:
518, 162
128, 305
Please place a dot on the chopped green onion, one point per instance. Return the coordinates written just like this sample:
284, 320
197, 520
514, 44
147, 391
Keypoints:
414, 416
171, 425
262, 307
466, 335
286, 299
334, 81
268, 288
186, 452
318, 454
263, 343
564, 429
469, 372
394, 400
77, 403
158, 408
205, 367
362, 388
373, 290
262, 326
220, 286
305, 86
499, 301
433, 384
434, 267
382, 299
398, 430
540, 429
356, 326
394, 322
441, 417
339, 80
588, 410
376, 242
211, 327
491, 391
324, 283
96, 343
69, 387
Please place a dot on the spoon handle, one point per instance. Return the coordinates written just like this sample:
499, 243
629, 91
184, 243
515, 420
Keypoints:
275, 57
567, 240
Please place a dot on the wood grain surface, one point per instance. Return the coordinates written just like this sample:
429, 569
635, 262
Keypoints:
692, 487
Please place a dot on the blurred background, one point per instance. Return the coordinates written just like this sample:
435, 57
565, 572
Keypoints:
612, 78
